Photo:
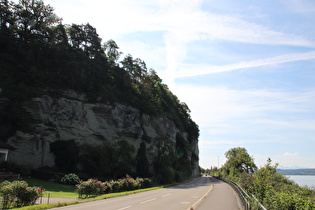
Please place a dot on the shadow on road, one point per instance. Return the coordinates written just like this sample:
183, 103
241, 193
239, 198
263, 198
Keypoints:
215, 180
200, 181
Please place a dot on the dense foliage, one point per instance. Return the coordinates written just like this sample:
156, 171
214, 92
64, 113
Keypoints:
70, 179
66, 154
112, 160
91, 187
18, 194
40, 53
115, 159
238, 161
272, 189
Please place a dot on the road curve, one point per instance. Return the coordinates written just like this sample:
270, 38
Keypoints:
180, 197
221, 197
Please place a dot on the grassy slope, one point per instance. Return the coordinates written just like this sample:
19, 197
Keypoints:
55, 189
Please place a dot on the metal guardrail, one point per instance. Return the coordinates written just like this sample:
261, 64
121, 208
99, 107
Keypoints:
261, 206
245, 198
242, 194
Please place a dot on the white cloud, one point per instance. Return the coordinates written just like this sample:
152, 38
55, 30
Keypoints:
195, 70
290, 155
182, 29
230, 118
287, 125
182, 22
229, 28
285, 160
294, 160
218, 104
151, 54
301, 6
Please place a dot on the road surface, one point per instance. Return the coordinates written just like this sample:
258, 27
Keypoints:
180, 197
221, 197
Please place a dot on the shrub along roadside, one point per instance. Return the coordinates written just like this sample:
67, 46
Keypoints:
94, 187
273, 190
18, 194
70, 179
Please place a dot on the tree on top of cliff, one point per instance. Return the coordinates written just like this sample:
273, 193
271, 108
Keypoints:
39, 53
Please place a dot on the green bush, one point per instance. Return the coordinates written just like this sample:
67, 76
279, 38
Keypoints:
109, 187
70, 179
144, 182
129, 183
18, 194
116, 185
90, 187
274, 190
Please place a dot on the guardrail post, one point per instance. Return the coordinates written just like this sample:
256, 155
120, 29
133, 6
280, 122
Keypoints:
261, 206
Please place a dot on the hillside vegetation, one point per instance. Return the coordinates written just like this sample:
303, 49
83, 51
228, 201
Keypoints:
39, 52
41, 55
272, 189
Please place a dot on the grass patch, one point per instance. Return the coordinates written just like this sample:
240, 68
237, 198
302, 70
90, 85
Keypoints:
118, 194
44, 206
68, 191
55, 189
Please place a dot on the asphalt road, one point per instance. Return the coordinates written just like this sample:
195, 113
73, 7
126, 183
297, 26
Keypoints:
180, 197
221, 197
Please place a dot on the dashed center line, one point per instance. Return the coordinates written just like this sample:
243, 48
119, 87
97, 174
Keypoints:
185, 202
127, 207
148, 200
166, 195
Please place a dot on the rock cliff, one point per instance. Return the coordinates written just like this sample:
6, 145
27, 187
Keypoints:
71, 116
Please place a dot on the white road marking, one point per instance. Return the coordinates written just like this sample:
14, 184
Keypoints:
185, 202
166, 195
127, 207
148, 200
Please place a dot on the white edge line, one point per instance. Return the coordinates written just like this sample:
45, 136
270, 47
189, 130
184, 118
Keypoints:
166, 195
127, 207
148, 200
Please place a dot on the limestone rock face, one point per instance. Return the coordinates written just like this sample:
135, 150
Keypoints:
71, 117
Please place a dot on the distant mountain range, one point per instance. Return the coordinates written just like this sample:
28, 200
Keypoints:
299, 171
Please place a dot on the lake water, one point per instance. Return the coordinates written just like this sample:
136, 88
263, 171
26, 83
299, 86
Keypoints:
303, 180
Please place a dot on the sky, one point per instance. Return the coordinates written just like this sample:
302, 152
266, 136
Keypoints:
245, 68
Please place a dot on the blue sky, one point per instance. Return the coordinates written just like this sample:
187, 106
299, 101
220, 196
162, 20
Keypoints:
245, 68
